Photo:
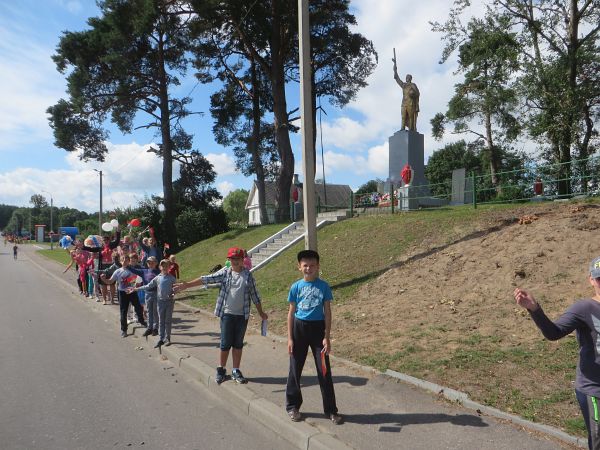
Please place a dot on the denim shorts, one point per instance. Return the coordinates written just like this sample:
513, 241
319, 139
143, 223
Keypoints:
233, 330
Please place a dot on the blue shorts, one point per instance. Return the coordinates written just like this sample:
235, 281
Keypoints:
233, 330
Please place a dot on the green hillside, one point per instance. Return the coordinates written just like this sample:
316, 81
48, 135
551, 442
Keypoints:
352, 251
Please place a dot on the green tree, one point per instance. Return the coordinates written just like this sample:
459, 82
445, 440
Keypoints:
6, 212
266, 34
38, 201
485, 102
18, 220
369, 187
194, 226
559, 40
129, 61
442, 162
234, 205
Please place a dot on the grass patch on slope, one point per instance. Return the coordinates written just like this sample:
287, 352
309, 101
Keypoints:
353, 252
58, 254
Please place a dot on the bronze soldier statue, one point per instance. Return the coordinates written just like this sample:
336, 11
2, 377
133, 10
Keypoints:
410, 99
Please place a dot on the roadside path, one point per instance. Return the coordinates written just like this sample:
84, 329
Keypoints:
379, 411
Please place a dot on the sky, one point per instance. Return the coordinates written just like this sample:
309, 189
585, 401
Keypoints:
355, 138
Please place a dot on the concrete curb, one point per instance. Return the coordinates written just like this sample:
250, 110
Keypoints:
270, 415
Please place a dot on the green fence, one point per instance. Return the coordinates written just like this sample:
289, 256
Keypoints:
533, 181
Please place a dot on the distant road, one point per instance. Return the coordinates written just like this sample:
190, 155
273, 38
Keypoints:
69, 381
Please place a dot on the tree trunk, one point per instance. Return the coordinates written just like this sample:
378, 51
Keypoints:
584, 148
254, 147
167, 154
282, 137
493, 152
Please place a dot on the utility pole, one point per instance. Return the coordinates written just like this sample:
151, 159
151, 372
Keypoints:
308, 149
100, 213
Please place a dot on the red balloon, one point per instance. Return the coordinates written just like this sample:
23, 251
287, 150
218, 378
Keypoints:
135, 222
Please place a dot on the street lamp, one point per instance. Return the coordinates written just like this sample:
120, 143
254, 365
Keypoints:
51, 220
100, 213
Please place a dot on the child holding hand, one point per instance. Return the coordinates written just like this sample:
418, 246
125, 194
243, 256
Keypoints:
163, 284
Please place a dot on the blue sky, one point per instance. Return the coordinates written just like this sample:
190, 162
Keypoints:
354, 139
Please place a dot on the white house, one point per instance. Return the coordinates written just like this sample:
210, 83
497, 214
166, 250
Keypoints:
338, 196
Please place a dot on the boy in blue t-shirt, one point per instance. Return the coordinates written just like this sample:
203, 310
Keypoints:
309, 325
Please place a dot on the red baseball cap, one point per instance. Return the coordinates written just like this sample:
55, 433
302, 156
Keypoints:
235, 252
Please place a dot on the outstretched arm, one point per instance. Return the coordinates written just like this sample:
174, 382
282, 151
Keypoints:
552, 331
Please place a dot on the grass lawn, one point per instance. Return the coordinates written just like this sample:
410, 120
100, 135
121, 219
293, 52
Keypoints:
58, 254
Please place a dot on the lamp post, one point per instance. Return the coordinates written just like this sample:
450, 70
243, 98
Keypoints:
100, 213
51, 220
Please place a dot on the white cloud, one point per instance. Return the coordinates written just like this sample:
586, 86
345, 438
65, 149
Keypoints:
129, 173
222, 162
29, 84
72, 6
225, 187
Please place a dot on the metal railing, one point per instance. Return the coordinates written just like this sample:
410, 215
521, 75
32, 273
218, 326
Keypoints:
532, 182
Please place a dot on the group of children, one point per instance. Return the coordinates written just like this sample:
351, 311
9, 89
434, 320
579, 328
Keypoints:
127, 269
309, 316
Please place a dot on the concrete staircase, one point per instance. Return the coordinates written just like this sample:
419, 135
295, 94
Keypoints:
274, 245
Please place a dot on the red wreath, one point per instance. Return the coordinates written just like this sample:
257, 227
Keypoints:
406, 174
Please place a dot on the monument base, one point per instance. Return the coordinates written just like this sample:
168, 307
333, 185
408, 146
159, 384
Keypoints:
407, 147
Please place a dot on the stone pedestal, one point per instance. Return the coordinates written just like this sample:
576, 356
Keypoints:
407, 147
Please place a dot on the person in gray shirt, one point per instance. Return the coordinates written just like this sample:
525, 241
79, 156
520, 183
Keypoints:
163, 284
583, 317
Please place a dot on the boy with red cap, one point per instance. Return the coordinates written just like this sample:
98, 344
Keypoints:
238, 288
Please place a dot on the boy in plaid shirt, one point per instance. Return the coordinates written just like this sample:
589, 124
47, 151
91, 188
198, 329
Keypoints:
238, 289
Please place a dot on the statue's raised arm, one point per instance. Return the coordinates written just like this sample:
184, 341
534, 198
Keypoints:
410, 99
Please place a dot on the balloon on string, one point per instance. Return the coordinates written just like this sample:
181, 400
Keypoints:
135, 222
107, 226
114, 223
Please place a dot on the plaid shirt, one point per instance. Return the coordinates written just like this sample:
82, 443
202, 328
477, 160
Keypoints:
223, 277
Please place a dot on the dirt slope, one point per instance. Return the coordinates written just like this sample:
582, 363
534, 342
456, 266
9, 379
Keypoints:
446, 312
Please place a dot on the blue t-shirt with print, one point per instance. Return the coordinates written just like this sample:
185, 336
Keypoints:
309, 297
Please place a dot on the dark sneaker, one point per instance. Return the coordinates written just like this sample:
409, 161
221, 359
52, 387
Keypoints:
144, 324
159, 344
336, 419
154, 332
123, 333
238, 377
221, 372
167, 342
148, 332
294, 415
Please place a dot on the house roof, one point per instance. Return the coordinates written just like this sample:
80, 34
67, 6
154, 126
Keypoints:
338, 195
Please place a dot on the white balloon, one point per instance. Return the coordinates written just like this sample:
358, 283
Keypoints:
107, 226
114, 223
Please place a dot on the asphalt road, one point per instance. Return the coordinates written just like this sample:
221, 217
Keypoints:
69, 381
